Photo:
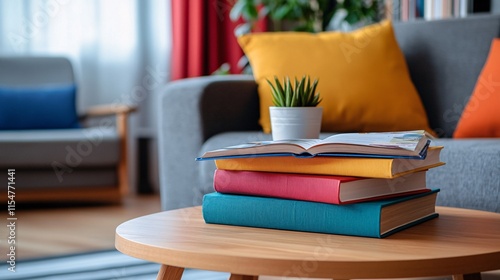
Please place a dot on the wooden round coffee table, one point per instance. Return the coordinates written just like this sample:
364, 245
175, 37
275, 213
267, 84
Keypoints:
460, 242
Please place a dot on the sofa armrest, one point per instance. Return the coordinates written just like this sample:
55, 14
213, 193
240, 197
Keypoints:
121, 113
191, 111
110, 109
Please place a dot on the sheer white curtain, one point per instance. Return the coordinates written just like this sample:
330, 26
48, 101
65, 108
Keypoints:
113, 44
120, 49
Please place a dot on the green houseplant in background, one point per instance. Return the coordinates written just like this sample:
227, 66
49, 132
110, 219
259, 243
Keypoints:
353, 14
284, 15
295, 114
303, 15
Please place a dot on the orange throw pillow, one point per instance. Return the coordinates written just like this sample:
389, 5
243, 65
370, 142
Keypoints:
481, 116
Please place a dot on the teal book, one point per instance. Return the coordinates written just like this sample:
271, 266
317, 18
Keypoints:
377, 219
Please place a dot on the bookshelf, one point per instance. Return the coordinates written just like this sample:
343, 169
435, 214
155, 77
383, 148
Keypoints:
408, 10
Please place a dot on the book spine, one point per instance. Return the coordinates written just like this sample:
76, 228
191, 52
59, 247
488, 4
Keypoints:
361, 219
464, 8
318, 188
396, 13
342, 166
429, 10
405, 9
412, 7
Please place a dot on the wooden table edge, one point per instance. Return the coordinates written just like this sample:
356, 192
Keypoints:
411, 268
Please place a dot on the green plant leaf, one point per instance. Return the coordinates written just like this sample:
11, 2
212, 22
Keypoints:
278, 85
242, 29
307, 90
281, 12
288, 92
276, 96
296, 93
249, 12
237, 10
315, 96
299, 93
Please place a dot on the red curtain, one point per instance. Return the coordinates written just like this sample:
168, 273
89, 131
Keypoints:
203, 38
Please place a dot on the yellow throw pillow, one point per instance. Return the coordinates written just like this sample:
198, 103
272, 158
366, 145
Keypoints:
363, 76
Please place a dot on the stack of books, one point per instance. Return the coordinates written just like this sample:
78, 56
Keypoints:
369, 184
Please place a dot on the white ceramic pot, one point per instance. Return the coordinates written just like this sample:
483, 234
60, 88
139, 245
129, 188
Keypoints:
295, 122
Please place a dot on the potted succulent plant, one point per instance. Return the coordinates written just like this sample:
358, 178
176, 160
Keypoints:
295, 114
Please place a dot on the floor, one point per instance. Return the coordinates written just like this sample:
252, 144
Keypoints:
44, 231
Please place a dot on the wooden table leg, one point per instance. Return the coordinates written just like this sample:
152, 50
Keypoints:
243, 277
168, 272
472, 276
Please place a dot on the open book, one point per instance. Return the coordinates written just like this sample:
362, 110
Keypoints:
403, 144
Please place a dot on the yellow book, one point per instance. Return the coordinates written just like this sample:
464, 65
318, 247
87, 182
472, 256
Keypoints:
344, 166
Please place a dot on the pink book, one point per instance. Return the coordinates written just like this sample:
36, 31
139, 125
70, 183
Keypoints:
317, 188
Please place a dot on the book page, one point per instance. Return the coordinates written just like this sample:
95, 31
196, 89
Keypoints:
303, 143
407, 140
405, 143
259, 147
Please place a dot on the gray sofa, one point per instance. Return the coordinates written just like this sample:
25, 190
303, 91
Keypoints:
444, 57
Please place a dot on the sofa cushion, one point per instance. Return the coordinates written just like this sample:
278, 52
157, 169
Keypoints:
44, 107
469, 179
363, 77
481, 116
96, 146
89, 179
